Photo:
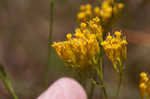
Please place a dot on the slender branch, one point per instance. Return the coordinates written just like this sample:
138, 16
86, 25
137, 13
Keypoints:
101, 77
50, 38
102, 83
100, 72
121, 70
119, 84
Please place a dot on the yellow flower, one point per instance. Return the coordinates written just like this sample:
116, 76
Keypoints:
109, 37
96, 19
120, 5
88, 7
85, 13
82, 47
80, 50
118, 8
69, 36
104, 12
66, 54
144, 84
78, 30
96, 28
143, 89
117, 34
82, 8
81, 16
88, 13
115, 48
105, 4
97, 11
83, 25
143, 75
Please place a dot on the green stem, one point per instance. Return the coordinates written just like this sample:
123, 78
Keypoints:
50, 38
119, 84
101, 78
100, 69
121, 70
102, 83
100, 73
9, 87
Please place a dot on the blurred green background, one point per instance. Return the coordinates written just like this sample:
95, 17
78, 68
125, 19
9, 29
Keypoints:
24, 28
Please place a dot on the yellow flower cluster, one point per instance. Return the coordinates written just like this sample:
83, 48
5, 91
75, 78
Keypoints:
80, 49
97, 18
144, 85
85, 13
96, 28
108, 8
115, 48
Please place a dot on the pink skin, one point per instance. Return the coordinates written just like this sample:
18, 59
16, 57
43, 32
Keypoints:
64, 88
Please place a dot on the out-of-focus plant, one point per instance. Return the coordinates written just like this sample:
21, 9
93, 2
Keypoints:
83, 50
4, 78
144, 86
50, 39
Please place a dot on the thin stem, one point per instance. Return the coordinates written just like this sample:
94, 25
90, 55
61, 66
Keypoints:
50, 38
101, 77
91, 91
9, 87
102, 83
121, 70
119, 84
102, 71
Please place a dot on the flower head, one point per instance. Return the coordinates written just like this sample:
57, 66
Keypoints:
104, 12
79, 50
143, 88
85, 13
115, 48
144, 84
144, 77
82, 47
